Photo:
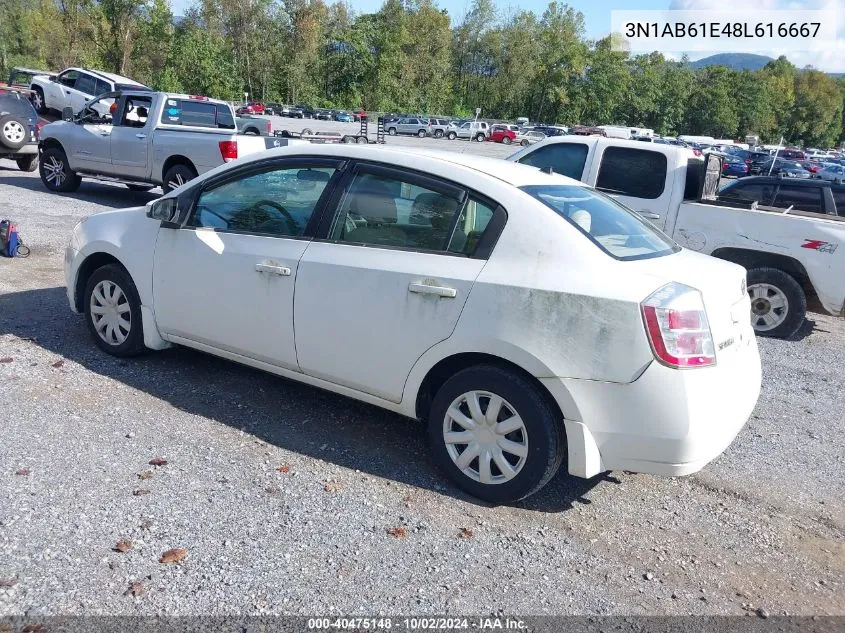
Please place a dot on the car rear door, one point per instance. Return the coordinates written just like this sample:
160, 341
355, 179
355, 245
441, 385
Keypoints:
389, 278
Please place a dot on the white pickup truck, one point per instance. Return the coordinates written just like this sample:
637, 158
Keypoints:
790, 254
146, 139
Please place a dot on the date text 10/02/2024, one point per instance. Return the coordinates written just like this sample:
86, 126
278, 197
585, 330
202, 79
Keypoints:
721, 29
416, 624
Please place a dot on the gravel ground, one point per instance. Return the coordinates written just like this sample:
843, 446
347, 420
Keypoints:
285, 496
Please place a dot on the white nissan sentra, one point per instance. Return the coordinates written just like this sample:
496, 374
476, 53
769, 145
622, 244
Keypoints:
528, 320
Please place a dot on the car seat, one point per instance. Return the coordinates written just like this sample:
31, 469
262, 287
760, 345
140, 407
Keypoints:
373, 202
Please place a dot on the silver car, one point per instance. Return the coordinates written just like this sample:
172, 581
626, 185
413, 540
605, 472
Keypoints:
408, 125
832, 171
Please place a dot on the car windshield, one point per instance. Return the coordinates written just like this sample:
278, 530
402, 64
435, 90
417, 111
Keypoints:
619, 232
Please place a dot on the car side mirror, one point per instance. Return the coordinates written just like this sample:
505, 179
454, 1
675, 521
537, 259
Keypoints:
52, 78
67, 114
165, 210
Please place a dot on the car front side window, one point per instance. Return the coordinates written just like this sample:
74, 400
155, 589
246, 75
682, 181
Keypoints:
276, 201
68, 78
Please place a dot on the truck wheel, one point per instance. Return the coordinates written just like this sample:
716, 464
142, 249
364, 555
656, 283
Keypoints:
480, 137
177, 176
494, 434
421, 133
55, 173
778, 302
451, 136
14, 132
28, 163
38, 100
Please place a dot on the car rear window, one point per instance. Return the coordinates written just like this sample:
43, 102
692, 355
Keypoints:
615, 229
17, 106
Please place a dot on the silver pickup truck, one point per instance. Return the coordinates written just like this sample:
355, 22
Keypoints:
147, 139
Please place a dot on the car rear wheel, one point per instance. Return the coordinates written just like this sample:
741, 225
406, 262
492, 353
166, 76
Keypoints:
392, 131
113, 311
451, 136
38, 100
524, 142
14, 132
176, 176
421, 133
438, 133
55, 173
778, 302
494, 434
480, 137
28, 163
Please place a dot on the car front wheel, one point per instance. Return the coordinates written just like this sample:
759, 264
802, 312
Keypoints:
495, 434
480, 137
392, 131
113, 311
778, 302
451, 136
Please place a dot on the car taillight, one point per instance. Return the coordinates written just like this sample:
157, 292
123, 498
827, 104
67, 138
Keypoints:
696, 151
269, 127
39, 124
228, 150
726, 165
677, 327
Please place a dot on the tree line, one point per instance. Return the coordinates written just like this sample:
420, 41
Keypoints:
412, 56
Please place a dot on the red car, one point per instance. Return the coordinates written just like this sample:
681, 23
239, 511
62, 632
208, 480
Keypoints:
359, 114
502, 134
257, 107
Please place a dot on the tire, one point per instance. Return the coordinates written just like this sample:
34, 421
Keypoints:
362, 140
140, 188
251, 131
55, 173
392, 131
176, 176
541, 434
14, 132
768, 286
306, 131
506, 140
348, 139
121, 341
452, 136
38, 101
524, 143
28, 163
438, 133
421, 133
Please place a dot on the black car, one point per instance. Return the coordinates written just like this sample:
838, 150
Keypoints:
814, 196
18, 129
550, 130
273, 109
307, 111
323, 115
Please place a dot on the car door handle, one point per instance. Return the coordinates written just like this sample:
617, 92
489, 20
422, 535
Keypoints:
438, 291
648, 215
140, 136
275, 269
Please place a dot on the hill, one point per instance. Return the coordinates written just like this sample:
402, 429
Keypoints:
737, 61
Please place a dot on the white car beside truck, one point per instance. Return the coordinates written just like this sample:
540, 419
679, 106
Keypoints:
74, 87
790, 254
147, 139
528, 320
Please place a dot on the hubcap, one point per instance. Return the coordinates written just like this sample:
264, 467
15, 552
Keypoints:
110, 312
485, 437
769, 306
54, 171
36, 100
177, 181
14, 131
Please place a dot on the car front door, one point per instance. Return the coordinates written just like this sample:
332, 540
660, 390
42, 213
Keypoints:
129, 138
61, 91
390, 278
91, 147
224, 281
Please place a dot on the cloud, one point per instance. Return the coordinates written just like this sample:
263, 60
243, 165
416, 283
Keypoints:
831, 60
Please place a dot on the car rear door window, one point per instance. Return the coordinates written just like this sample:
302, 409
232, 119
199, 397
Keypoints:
567, 159
275, 201
632, 172
800, 198
384, 210
86, 84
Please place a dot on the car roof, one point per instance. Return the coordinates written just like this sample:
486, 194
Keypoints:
515, 174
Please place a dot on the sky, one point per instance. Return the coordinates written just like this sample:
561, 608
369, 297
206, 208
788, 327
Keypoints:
597, 18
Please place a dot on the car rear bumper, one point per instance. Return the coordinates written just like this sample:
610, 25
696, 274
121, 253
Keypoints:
668, 421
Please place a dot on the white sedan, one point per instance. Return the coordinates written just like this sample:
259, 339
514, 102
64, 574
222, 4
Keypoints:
528, 320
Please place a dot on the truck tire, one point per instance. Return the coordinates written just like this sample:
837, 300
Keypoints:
778, 302
55, 172
176, 176
452, 136
14, 131
421, 133
480, 137
38, 100
28, 163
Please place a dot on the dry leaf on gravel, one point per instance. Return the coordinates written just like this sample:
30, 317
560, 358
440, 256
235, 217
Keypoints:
284, 468
58, 363
135, 589
271, 490
398, 532
33, 628
123, 545
175, 555
8, 582
147, 474
465, 533
158, 461
332, 486
6, 359
23, 472
140, 492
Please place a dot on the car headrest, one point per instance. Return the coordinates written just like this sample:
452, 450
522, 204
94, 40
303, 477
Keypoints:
437, 209
374, 202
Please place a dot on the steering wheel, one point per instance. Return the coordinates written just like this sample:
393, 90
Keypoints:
282, 212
